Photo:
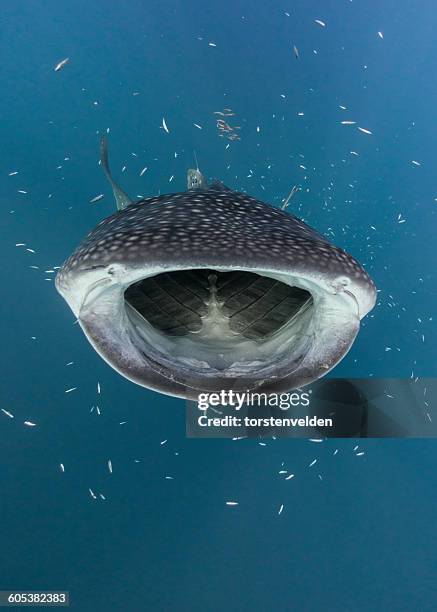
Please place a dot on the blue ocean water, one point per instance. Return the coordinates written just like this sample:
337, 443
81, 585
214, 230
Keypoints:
356, 533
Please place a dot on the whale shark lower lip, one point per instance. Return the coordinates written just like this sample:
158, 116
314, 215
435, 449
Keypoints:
211, 289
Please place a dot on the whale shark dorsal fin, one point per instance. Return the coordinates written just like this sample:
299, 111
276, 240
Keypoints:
121, 198
196, 180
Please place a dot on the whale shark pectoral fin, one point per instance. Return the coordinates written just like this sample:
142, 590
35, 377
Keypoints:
121, 198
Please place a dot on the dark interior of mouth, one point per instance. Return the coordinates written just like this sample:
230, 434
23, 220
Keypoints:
214, 304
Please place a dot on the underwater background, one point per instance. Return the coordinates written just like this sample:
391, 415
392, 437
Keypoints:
357, 531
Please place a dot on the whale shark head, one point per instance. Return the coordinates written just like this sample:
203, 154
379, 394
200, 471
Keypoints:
211, 289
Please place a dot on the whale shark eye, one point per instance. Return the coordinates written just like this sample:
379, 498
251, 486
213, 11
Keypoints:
97, 267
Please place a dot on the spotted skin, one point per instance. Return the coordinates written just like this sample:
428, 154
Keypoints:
215, 226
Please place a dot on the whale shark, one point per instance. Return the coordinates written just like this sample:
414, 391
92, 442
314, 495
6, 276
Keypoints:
211, 289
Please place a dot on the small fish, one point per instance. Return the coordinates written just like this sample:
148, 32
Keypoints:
97, 198
164, 125
320, 22
296, 52
30, 424
232, 503
61, 64
381, 34
364, 130
348, 122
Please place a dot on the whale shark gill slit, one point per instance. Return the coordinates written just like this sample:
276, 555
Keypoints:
243, 303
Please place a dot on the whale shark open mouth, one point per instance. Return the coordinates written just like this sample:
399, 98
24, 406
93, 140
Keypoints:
210, 289
191, 330
228, 321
